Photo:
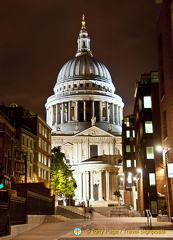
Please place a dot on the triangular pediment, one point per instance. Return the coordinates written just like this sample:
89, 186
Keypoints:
94, 131
68, 144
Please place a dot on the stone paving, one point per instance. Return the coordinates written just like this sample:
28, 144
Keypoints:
100, 228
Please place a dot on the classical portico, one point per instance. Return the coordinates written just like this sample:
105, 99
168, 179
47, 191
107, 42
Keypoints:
85, 115
97, 180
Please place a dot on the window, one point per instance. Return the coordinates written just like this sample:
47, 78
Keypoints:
133, 133
147, 102
45, 133
23, 140
148, 127
128, 163
127, 133
40, 127
127, 148
39, 157
134, 163
150, 152
93, 150
152, 180
129, 178
39, 142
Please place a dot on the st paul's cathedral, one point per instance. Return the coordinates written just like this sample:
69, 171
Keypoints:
86, 120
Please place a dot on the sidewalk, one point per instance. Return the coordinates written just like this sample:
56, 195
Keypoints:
99, 228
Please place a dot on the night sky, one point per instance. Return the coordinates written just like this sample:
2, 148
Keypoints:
37, 37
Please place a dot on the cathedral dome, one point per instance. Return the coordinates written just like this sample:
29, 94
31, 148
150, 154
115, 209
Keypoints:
84, 67
84, 94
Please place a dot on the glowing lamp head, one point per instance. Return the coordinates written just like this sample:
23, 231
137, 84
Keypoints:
159, 148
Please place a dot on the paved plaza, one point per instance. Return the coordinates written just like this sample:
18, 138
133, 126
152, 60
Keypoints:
100, 228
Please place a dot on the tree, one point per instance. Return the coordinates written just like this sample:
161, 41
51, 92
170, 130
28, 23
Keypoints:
118, 194
62, 181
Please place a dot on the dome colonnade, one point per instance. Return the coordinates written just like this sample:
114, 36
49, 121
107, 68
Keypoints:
84, 91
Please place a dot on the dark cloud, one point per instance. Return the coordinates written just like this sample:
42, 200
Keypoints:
39, 36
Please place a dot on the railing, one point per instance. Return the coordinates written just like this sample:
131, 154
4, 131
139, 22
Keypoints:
13, 210
38, 204
17, 210
4, 213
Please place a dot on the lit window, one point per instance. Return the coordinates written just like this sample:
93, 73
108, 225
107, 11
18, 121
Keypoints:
134, 148
134, 163
148, 127
147, 102
128, 163
150, 152
127, 148
127, 134
40, 128
39, 157
129, 178
133, 133
152, 179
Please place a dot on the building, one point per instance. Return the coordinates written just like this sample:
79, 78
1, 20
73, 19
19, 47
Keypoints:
129, 161
164, 31
86, 120
32, 146
150, 180
7, 143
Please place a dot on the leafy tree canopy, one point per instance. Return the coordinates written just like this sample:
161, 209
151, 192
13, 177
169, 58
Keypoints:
62, 180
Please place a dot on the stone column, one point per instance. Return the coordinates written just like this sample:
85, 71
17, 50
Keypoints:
101, 111
62, 112
69, 111
76, 111
91, 186
121, 116
84, 111
113, 114
100, 186
84, 186
80, 187
107, 185
47, 116
87, 185
93, 110
116, 120
51, 115
107, 111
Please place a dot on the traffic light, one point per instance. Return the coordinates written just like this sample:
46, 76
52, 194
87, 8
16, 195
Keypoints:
2, 185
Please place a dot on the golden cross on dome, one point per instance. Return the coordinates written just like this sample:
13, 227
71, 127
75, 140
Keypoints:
83, 22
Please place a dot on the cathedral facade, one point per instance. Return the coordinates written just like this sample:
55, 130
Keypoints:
86, 120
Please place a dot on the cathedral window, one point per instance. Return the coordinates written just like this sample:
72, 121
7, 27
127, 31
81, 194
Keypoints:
93, 151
